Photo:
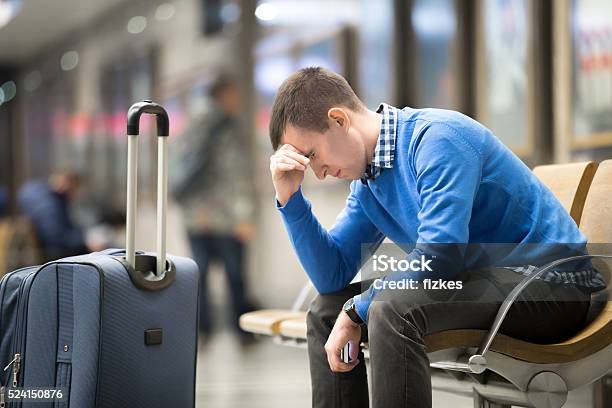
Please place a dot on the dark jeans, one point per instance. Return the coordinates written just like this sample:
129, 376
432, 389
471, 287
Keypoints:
230, 251
399, 319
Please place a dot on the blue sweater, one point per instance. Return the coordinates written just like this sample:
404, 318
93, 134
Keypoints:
452, 181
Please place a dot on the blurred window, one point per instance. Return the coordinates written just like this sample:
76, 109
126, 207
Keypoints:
506, 79
46, 123
592, 67
125, 80
376, 52
435, 29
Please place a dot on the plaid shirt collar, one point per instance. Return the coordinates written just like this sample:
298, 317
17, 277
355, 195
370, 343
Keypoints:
384, 153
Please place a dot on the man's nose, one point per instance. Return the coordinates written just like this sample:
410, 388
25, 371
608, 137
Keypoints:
319, 171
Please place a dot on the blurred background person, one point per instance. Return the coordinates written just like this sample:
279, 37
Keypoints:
3, 202
214, 187
46, 203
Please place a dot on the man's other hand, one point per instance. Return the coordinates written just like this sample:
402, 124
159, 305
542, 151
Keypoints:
287, 166
344, 331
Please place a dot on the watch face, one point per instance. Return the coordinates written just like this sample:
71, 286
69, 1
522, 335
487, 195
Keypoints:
350, 304
349, 309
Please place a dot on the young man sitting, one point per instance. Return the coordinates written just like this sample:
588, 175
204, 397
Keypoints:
434, 179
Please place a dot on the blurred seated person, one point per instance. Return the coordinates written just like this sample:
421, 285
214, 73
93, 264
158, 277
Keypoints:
46, 203
106, 228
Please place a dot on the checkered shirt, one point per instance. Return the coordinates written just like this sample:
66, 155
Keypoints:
384, 153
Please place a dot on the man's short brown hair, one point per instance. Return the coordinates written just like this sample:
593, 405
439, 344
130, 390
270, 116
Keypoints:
304, 99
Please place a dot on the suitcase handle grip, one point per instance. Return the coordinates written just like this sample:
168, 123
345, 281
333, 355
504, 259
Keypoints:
147, 106
133, 129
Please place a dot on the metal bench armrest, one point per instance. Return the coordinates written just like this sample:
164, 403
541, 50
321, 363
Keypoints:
477, 362
300, 301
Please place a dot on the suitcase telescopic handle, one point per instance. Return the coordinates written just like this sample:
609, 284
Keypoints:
133, 129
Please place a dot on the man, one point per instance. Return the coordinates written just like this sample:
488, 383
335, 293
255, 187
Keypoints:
213, 185
46, 203
433, 178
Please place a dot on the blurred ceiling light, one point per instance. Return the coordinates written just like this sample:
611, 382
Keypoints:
307, 13
32, 81
266, 12
591, 17
9, 90
8, 10
434, 19
230, 12
164, 11
137, 24
270, 72
69, 60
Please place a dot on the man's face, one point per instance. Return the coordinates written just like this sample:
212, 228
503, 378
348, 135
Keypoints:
337, 152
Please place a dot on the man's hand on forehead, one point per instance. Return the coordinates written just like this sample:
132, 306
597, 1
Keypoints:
287, 166
295, 153
288, 157
292, 148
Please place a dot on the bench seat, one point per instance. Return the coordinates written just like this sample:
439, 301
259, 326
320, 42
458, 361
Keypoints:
294, 328
591, 339
267, 321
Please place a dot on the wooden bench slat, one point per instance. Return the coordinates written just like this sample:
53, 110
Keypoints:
569, 182
266, 321
596, 221
588, 341
294, 328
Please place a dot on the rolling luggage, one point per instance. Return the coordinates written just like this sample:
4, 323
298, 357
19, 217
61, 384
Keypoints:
108, 329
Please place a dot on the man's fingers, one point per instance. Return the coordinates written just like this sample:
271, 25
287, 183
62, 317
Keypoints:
283, 166
339, 366
336, 364
293, 155
298, 157
290, 160
276, 161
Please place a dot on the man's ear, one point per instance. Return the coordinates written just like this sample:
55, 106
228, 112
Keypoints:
339, 116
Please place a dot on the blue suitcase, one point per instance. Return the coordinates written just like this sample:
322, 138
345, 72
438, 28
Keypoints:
108, 329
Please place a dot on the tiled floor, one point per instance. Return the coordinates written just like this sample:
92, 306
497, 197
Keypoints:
266, 375
263, 375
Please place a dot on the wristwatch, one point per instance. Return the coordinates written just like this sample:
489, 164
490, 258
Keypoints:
351, 311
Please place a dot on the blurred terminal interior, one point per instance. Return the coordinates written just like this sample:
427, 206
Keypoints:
539, 73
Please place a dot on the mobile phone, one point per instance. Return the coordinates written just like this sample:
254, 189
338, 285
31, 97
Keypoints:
345, 353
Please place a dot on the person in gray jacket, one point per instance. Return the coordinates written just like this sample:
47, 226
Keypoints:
212, 183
